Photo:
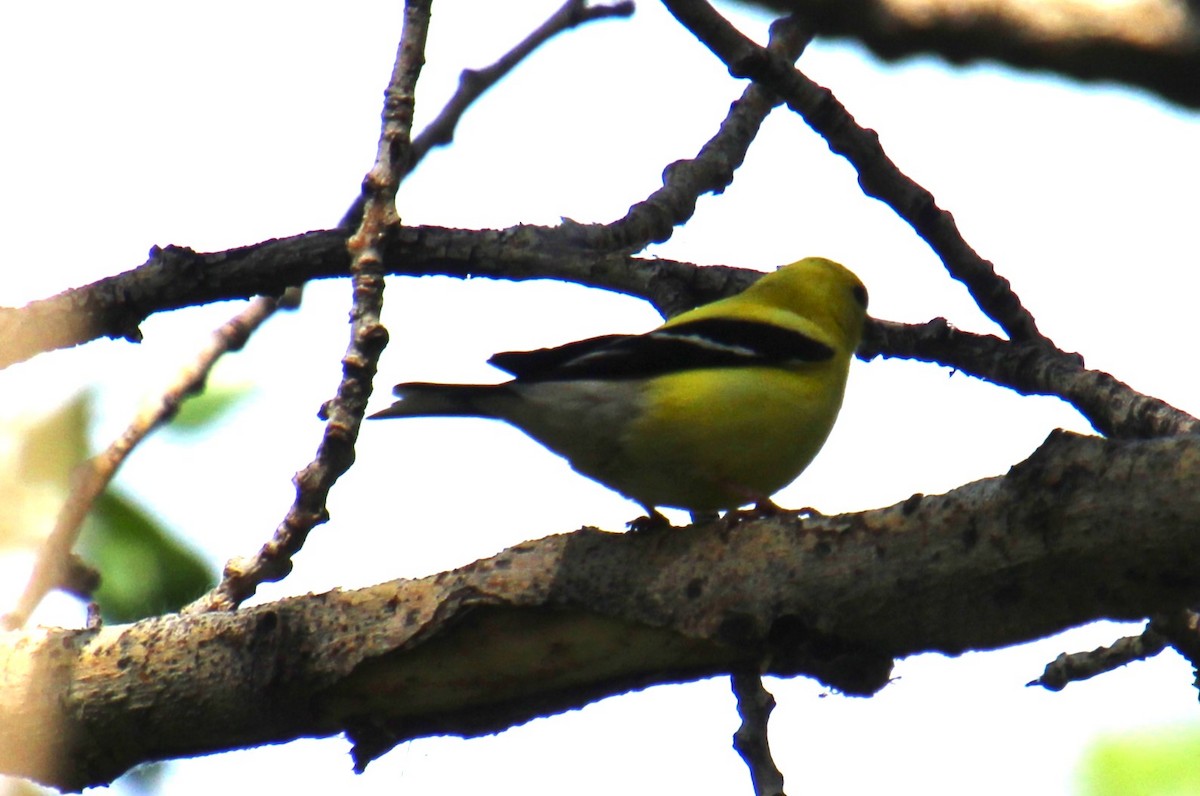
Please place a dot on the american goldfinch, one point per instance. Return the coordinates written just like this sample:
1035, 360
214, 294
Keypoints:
719, 407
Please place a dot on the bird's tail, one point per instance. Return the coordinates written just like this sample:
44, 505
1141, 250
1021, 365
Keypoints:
423, 399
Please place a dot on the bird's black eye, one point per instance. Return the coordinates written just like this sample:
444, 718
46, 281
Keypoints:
860, 295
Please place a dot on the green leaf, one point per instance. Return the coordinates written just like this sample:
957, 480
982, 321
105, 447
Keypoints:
52, 447
1159, 762
145, 570
202, 410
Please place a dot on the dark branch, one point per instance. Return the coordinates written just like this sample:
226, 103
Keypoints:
878, 176
474, 82
1111, 406
344, 413
1153, 44
180, 277
1179, 629
177, 277
755, 704
1077, 666
653, 220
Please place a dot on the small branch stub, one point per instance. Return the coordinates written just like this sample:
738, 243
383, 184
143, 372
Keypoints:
755, 704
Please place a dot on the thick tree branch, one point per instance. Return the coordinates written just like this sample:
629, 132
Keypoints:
1149, 44
176, 277
1084, 529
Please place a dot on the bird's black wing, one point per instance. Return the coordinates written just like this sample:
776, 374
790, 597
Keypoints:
708, 343
546, 363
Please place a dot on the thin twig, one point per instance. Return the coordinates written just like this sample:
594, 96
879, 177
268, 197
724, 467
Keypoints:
1077, 666
472, 83
878, 176
654, 219
56, 566
755, 704
344, 413
1179, 629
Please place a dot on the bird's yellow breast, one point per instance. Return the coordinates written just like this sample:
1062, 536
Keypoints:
723, 438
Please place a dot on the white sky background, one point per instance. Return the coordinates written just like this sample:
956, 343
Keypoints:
220, 124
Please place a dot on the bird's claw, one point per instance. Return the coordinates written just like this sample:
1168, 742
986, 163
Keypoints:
653, 521
762, 508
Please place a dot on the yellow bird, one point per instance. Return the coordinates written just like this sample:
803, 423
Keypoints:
718, 408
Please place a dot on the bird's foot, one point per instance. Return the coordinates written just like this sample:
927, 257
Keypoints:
653, 521
808, 511
763, 507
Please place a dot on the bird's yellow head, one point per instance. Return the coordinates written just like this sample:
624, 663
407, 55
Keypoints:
824, 292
